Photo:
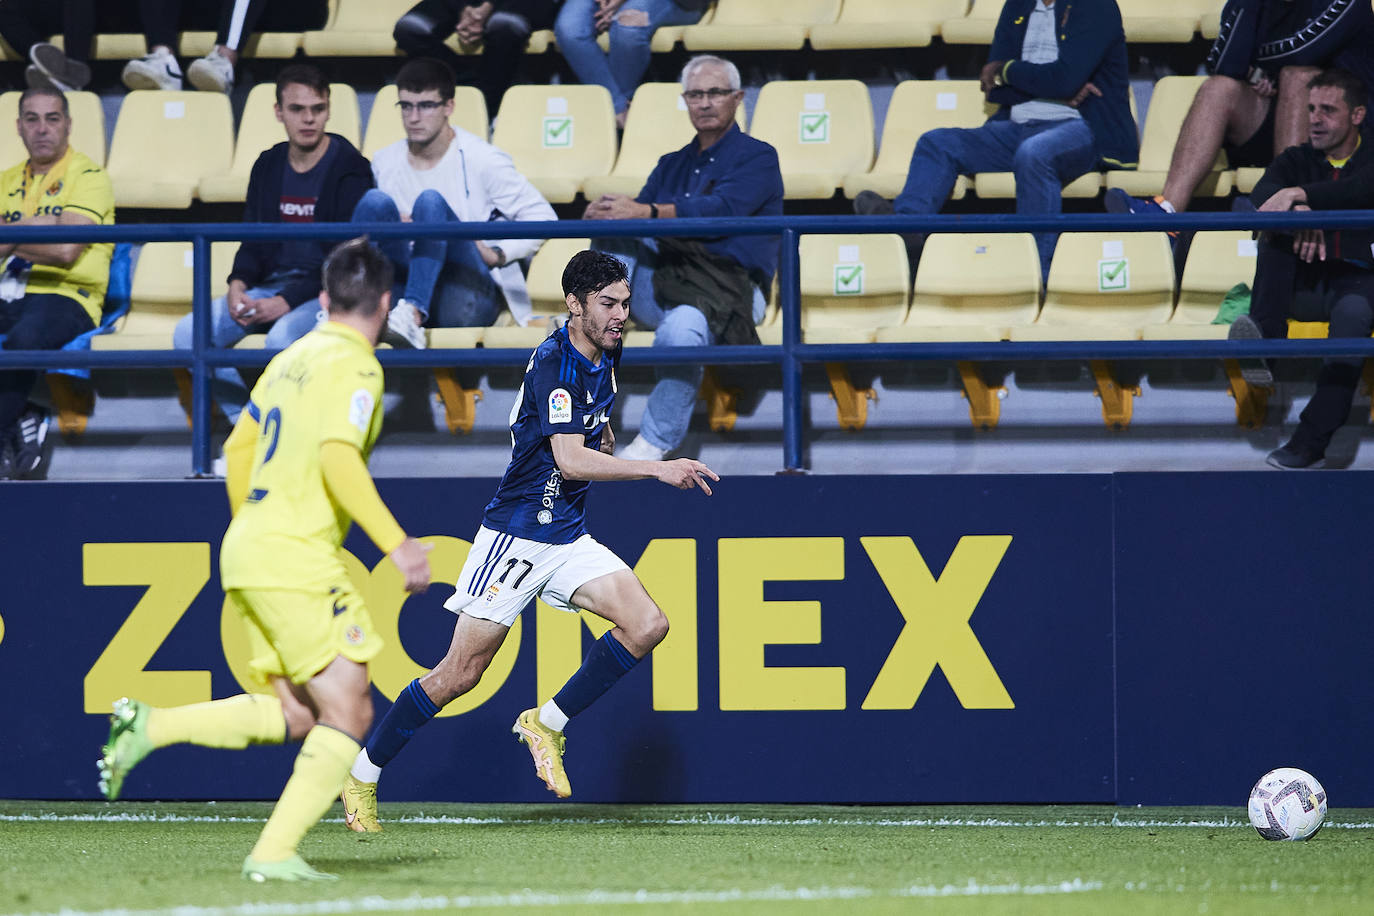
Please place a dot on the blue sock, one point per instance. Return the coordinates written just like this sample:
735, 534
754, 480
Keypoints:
412, 709
606, 662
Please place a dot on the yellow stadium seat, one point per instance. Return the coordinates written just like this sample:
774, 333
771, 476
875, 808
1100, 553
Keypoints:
545, 285
822, 130
759, 25
1209, 23
88, 127
165, 143
112, 45
666, 37
1166, 21
1216, 262
161, 294
917, 106
384, 122
657, 124
259, 130
1169, 104
852, 285
1105, 286
558, 136
971, 286
276, 45
358, 28
974, 29
1247, 177
885, 24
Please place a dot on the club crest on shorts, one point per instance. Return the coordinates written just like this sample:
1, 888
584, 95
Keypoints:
560, 406
354, 635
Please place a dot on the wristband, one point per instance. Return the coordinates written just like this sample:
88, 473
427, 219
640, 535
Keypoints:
653, 211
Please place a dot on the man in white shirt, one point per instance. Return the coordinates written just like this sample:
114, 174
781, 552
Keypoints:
439, 174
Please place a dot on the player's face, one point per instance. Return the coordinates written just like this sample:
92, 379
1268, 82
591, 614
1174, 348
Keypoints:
711, 103
601, 319
423, 114
304, 113
44, 129
1330, 121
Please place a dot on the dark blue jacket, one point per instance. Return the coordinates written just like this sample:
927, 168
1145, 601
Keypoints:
349, 177
1273, 34
1092, 49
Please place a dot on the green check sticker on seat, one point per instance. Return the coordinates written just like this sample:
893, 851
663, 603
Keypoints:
1113, 274
849, 279
558, 131
814, 127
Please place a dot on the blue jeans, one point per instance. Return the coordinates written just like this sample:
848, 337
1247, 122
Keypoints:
447, 279
228, 386
1043, 155
623, 67
669, 410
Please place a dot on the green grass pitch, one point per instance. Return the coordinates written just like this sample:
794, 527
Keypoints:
182, 859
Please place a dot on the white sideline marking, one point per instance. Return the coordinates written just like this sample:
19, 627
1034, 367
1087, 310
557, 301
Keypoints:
600, 898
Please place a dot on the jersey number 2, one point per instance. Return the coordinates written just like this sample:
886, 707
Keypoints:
271, 427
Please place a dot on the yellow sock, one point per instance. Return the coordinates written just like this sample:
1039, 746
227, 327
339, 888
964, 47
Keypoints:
237, 722
315, 782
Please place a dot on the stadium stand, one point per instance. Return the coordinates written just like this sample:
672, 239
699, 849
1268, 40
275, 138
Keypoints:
558, 136
976, 27
1168, 106
166, 143
362, 28
822, 130
884, 24
161, 294
760, 25
88, 127
1166, 21
384, 121
1216, 262
545, 285
852, 285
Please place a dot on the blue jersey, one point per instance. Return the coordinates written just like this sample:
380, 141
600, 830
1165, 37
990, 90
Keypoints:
562, 393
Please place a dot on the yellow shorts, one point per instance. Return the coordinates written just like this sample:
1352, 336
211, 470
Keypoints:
295, 634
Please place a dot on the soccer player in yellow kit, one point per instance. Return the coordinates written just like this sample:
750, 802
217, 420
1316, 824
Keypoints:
297, 473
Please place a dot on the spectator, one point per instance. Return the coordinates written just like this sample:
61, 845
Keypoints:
274, 287
1059, 72
500, 28
697, 292
631, 24
1313, 275
443, 174
51, 292
1254, 102
26, 25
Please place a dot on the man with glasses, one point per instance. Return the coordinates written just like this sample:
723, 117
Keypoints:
443, 174
698, 292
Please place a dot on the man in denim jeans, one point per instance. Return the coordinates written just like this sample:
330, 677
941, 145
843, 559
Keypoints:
1058, 70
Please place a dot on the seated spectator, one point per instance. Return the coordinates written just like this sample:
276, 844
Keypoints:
1313, 275
274, 287
698, 292
50, 293
631, 24
500, 28
26, 26
1254, 102
1059, 73
443, 174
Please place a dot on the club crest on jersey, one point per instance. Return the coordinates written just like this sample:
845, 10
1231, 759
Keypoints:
560, 406
545, 517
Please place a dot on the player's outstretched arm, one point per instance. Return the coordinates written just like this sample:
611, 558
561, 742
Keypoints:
577, 462
352, 488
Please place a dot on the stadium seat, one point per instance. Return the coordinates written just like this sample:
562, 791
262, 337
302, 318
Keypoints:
88, 127
1105, 286
974, 29
1209, 23
1247, 177
665, 37
1216, 262
852, 285
260, 130
971, 286
657, 124
112, 45
1168, 107
165, 143
558, 136
161, 295
885, 24
384, 121
545, 285
1164, 21
358, 28
822, 130
759, 25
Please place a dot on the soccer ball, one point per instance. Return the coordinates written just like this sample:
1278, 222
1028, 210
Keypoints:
1287, 804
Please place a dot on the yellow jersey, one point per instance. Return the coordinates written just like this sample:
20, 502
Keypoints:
325, 386
73, 183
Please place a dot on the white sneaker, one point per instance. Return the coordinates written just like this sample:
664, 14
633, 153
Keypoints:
211, 73
403, 328
642, 449
158, 70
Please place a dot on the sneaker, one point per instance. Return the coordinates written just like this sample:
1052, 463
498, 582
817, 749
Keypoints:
546, 747
37, 79
360, 805
1255, 371
63, 72
292, 869
642, 449
871, 203
158, 70
1118, 201
127, 745
31, 435
404, 326
211, 73
1294, 457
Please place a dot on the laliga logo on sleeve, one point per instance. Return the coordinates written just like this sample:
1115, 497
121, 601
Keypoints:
560, 406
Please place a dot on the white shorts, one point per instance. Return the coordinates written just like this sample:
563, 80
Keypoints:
503, 573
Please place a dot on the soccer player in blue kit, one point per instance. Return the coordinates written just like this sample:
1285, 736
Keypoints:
533, 541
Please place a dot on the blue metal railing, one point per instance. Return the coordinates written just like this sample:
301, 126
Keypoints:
791, 356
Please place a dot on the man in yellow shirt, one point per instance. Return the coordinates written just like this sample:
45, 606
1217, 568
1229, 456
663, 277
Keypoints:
297, 474
50, 293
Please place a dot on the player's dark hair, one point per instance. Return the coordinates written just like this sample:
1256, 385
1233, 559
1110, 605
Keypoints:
355, 275
53, 91
425, 73
590, 271
307, 75
1356, 96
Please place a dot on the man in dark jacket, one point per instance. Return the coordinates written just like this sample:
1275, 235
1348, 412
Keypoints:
1312, 275
1058, 70
274, 287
